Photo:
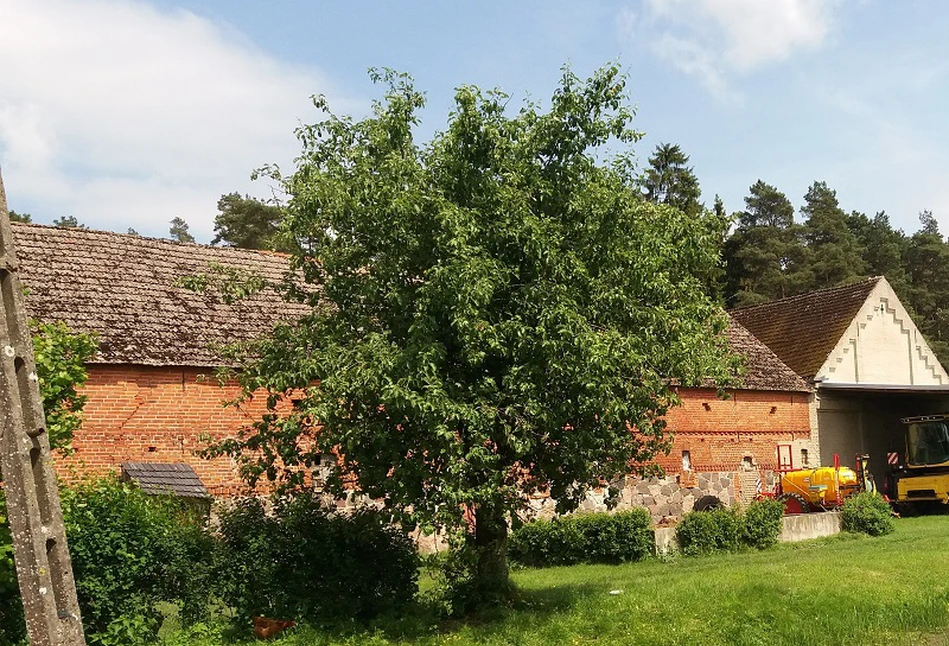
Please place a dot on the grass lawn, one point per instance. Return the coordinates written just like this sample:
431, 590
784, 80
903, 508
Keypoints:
843, 590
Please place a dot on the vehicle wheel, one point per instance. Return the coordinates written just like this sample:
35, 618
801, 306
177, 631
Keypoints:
908, 509
707, 503
794, 503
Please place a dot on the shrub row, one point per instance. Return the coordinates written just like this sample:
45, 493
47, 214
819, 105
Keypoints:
131, 551
728, 530
302, 562
583, 538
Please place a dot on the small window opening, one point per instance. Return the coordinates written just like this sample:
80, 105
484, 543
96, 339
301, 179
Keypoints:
686, 461
804, 457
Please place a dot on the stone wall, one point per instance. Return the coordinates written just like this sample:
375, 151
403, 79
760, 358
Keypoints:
668, 497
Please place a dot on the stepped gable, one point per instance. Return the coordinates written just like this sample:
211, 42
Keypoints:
122, 288
763, 369
803, 330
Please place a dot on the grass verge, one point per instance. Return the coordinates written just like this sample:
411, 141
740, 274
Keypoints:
842, 590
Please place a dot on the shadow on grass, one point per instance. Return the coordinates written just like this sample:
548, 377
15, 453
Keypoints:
423, 620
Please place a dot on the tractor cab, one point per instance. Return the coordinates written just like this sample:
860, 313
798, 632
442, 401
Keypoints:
927, 441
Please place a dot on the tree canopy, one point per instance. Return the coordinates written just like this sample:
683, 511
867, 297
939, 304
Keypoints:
670, 180
178, 230
247, 222
495, 313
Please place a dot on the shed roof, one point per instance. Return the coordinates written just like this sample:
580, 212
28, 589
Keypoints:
123, 289
177, 479
803, 330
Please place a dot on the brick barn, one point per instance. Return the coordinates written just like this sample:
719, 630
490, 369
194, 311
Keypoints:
149, 400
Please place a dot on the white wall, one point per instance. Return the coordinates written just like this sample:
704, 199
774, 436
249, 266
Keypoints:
883, 346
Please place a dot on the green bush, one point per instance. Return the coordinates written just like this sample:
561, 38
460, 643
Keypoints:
302, 562
704, 532
761, 523
12, 626
867, 513
129, 552
583, 538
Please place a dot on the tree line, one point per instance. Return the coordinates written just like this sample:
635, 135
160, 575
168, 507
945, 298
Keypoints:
768, 251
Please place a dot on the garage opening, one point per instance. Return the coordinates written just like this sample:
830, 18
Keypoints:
865, 418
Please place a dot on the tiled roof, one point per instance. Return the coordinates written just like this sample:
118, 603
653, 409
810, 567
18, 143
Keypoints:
763, 369
123, 288
177, 479
803, 330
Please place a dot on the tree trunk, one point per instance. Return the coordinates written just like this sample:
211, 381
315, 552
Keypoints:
490, 543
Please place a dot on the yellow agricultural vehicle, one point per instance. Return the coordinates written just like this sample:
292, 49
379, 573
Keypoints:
922, 476
823, 488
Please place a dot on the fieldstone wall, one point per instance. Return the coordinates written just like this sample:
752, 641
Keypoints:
665, 498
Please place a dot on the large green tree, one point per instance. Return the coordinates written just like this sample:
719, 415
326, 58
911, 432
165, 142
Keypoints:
495, 313
246, 222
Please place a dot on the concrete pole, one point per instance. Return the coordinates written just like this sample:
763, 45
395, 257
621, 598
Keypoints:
43, 567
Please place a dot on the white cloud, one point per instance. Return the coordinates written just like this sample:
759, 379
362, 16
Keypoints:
710, 39
125, 115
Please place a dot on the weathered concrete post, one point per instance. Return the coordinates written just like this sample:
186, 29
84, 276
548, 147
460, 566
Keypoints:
43, 567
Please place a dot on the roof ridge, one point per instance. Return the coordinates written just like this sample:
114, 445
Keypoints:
83, 231
824, 290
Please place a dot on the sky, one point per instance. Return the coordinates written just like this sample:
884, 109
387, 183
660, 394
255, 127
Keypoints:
127, 113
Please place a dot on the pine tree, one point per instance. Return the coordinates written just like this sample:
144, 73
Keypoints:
834, 252
246, 222
69, 222
179, 231
882, 248
765, 258
669, 180
927, 264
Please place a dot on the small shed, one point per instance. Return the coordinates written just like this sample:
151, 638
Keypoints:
172, 479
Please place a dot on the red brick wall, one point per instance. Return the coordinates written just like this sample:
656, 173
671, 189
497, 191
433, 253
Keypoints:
147, 414
719, 433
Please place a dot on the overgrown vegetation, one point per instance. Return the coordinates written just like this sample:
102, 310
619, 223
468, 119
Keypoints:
12, 628
761, 523
705, 532
301, 562
583, 538
867, 513
61, 356
129, 552
728, 530
890, 591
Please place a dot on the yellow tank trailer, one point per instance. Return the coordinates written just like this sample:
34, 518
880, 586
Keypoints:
824, 487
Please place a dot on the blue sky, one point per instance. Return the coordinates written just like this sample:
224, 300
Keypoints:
127, 113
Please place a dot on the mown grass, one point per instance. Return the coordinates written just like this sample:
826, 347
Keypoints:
842, 590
